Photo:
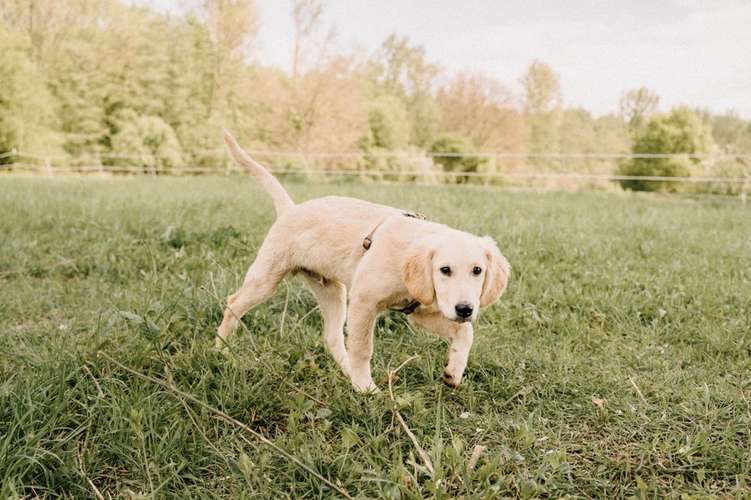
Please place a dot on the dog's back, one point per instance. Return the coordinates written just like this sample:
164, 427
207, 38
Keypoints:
325, 235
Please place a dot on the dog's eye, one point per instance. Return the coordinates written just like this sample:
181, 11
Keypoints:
446, 270
476, 270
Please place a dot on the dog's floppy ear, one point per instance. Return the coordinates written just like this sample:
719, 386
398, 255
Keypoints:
417, 273
497, 275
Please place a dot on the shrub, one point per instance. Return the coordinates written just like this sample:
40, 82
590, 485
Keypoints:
410, 164
461, 156
388, 125
681, 131
728, 168
147, 141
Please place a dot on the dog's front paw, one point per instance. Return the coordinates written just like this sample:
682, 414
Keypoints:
451, 380
365, 385
370, 389
359, 374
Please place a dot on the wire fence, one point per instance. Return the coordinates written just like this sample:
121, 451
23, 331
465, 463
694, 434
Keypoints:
187, 170
220, 152
597, 169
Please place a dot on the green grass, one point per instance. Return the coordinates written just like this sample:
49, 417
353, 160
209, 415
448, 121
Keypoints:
609, 293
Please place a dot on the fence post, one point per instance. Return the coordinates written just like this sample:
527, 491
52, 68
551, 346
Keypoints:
48, 167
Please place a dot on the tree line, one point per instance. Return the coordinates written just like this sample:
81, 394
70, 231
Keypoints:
109, 82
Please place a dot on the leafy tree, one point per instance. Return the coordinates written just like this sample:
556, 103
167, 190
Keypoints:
542, 104
611, 135
232, 25
581, 133
460, 156
145, 141
578, 131
323, 110
320, 106
483, 110
192, 93
97, 72
45, 23
731, 133
542, 88
402, 70
577, 135
311, 45
681, 131
25, 103
637, 105
388, 124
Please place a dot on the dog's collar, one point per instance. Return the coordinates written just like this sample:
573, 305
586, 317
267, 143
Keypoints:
367, 242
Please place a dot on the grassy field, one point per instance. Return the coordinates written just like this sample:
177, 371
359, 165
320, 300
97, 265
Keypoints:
617, 364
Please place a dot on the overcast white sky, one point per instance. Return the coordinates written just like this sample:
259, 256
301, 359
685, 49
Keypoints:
690, 52
694, 52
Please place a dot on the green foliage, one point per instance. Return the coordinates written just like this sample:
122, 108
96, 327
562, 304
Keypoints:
25, 103
460, 157
70, 70
389, 129
681, 131
80, 89
611, 135
637, 105
388, 124
578, 132
139, 268
409, 164
542, 88
581, 133
731, 133
402, 70
542, 104
145, 141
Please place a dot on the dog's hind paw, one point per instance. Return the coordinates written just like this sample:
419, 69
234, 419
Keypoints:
221, 346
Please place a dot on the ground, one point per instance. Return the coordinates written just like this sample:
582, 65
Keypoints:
616, 364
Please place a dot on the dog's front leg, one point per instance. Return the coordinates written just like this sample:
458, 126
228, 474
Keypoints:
460, 337
361, 320
461, 343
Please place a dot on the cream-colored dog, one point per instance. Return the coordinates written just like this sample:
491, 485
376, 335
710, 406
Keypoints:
380, 258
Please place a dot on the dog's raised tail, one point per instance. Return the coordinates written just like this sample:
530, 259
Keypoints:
278, 194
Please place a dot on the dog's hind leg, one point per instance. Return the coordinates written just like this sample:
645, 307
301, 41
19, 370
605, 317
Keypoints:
260, 282
332, 301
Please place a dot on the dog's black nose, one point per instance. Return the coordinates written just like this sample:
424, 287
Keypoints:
463, 310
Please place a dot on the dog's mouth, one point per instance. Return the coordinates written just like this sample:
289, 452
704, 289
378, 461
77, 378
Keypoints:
462, 320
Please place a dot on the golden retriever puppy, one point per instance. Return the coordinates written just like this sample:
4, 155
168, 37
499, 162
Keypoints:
360, 259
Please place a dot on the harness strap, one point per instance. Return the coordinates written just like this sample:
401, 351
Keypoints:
368, 240
408, 309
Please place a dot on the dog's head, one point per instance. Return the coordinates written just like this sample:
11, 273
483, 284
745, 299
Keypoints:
461, 272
